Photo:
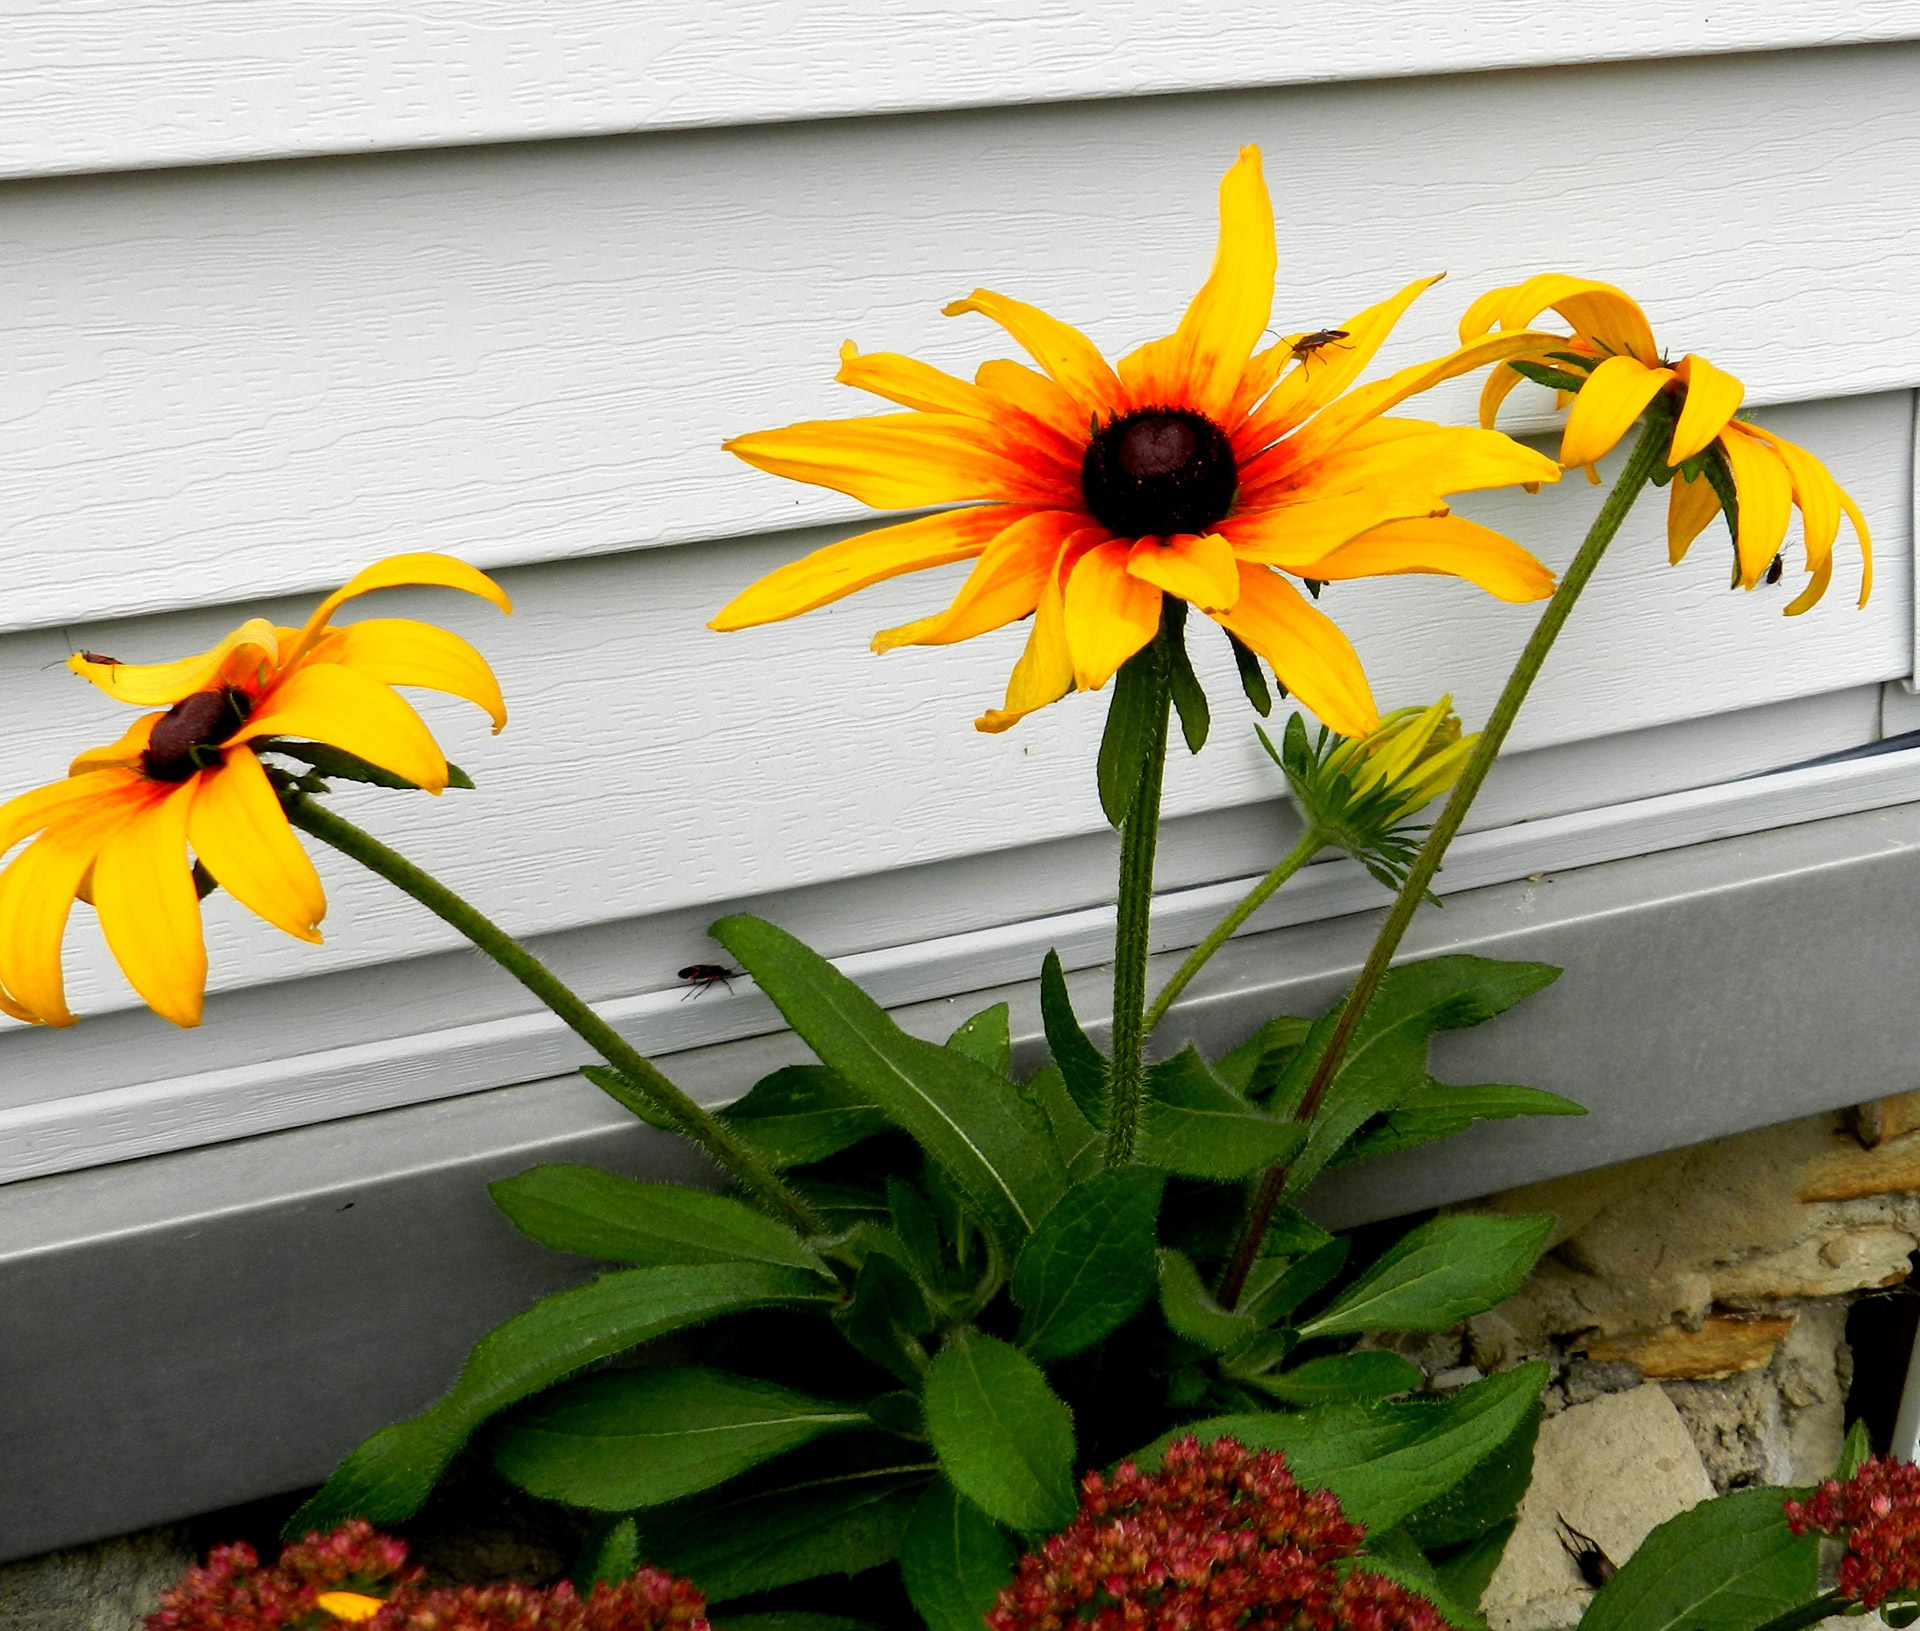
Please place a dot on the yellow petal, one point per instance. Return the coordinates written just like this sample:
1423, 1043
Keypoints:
1449, 545
323, 702
1497, 388
238, 829
1033, 394
1044, 673
1216, 336
854, 563
910, 382
398, 572
1860, 531
349, 1605
124, 753
1410, 454
243, 652
1614, 396
31, 811
1110, 614
1766, 501
1200, 570
1713, 397
1294, 536
149, 911
1063, 351
1691, 505
1599, 311
903, 461
1005, 584
1314, 660
37, 893
1809, 597
1816, 494
401, 651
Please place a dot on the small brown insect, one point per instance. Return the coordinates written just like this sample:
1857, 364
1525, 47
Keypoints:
100, 660
1779, 566
1318, 340
1595, 1567
705, 976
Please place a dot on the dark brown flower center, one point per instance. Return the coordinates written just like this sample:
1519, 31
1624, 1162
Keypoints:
187, 736
1158, 472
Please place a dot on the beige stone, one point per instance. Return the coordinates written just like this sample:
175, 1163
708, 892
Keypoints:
111, 1586
1723, 1346
1881, 1119
1845, 1172
1614, 1469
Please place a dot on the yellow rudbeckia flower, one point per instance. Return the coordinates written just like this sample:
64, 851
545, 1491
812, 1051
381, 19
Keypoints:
1621, 371
118, 830
1197, 467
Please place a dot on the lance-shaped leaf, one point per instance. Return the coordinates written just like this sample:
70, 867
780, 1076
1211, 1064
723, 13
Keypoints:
1387, 1059
1090, 1264
954, 1560
388, 1476
1276, 1288
1437, 1275
1196, 1125
1339, 1378
1082, 1065
1004, 1439
1485, 1498
1080, 1145
1440, 1109
1191, 1310
622, 1220
629, 1439
986, 1135
802, 1114
987, 1038
1254, 1067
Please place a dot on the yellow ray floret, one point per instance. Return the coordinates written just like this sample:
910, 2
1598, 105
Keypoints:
127, 826
1197, 467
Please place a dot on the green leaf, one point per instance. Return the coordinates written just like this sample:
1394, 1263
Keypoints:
336, 764
1080, 1145
1191, 1310
1189, 698
987, 1038
1280, 1036
885, 1317
1438, 1274
804, 1114
1553, 378
1854, 1453
622, 1220
954, 1560
610, 1554
387, 1477
1271, 1295
1725, 1565
1252, 680
1080, 1062
1089, 1266
1196, 1125
1388, 1057
1439, 1110
1391, 1553
1384, 1461
731, 1546
1485, 1498
637, 1438
1464, 1575
1003, 1437
1339, 1377
1133, 726
987, 1136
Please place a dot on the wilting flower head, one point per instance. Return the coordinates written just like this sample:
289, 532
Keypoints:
1613, 364
1221, 1537
1357, 791
355, 1577
1876, 1513
118, 830
1198, 467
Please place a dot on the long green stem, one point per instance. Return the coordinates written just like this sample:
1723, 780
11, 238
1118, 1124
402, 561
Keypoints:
1646, 458
1310, 845
1823, 1607
657, 1093
1126, 1071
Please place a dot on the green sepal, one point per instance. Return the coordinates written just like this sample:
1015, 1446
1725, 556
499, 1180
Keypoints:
1253, 679
1554, 379
336, 764
1189, 696
1133, 726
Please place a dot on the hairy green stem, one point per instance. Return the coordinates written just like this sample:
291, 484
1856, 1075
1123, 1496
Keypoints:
1310, 845
1126, 1070
1647, 457
658, 1094
1825, 1606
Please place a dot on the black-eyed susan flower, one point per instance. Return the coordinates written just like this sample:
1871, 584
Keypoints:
1198, 467
188, 779
1614, 370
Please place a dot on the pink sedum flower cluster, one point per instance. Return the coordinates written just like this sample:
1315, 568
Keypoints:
355, 1577
1220, 1539
1877, 1513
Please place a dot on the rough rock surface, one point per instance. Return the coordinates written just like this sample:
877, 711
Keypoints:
111, 1586
1613, 1468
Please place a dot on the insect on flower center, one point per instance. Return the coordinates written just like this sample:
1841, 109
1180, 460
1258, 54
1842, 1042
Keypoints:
187, 736
1158, 472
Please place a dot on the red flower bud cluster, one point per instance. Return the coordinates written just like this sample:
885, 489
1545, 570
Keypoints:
1877, 1513
327, 1583
1220, 1539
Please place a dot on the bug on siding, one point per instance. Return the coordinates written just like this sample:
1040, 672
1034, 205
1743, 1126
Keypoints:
1308, 344
1779, 566
705, 976
1595, 1567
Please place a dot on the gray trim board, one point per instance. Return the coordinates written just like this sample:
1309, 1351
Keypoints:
200, 1328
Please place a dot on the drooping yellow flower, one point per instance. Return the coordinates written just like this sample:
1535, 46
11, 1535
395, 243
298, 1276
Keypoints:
118, 830
1620, 370
1198, 467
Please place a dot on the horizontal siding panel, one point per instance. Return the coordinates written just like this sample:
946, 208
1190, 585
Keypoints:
225, 383
652, 766
116, 84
